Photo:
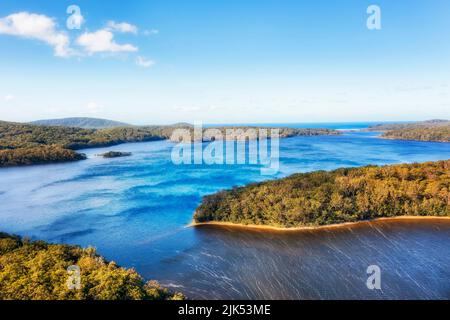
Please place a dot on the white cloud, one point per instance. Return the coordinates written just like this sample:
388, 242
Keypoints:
43, 28
36, 26
144, 62
102, 41
123, 27
9, 97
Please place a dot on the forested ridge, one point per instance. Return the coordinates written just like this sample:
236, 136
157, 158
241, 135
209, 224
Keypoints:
81, 122
432, 130
36, 270
437, 134
344, 195
38, 155
18, 135
403, 125
25, 144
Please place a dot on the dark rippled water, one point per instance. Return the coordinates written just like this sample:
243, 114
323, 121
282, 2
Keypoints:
414, 258
135, 211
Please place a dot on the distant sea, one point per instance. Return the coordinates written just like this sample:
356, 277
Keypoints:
313, 125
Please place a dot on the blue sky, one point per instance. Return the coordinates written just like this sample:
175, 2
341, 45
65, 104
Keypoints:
225, 61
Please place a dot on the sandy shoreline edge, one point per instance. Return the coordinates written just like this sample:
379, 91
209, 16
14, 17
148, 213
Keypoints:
331, 226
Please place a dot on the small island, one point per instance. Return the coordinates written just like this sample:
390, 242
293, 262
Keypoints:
115, 154
324, 198
36, 270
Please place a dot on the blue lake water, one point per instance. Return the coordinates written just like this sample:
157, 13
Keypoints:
135, 210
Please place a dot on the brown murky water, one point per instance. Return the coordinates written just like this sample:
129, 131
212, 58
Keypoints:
237, 263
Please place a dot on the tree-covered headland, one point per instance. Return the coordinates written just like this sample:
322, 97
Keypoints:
36, 270
432, 130
344, 195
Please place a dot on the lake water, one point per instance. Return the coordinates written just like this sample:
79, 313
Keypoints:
135, 210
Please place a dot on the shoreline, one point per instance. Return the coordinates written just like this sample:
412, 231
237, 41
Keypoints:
412, 140
310, 228
78, 150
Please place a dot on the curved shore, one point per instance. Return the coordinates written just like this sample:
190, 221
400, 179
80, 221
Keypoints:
293, 229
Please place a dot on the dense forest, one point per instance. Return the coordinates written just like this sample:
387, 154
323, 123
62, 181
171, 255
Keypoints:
24, 144
344, 195
38, 155
38, 271
432, 130
18, 135
436, 133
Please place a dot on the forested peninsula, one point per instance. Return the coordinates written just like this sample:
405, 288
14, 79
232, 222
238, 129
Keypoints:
36, 270
26, 144
432, 130
325, 198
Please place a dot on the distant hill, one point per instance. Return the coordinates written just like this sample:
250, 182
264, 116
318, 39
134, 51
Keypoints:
87, 123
